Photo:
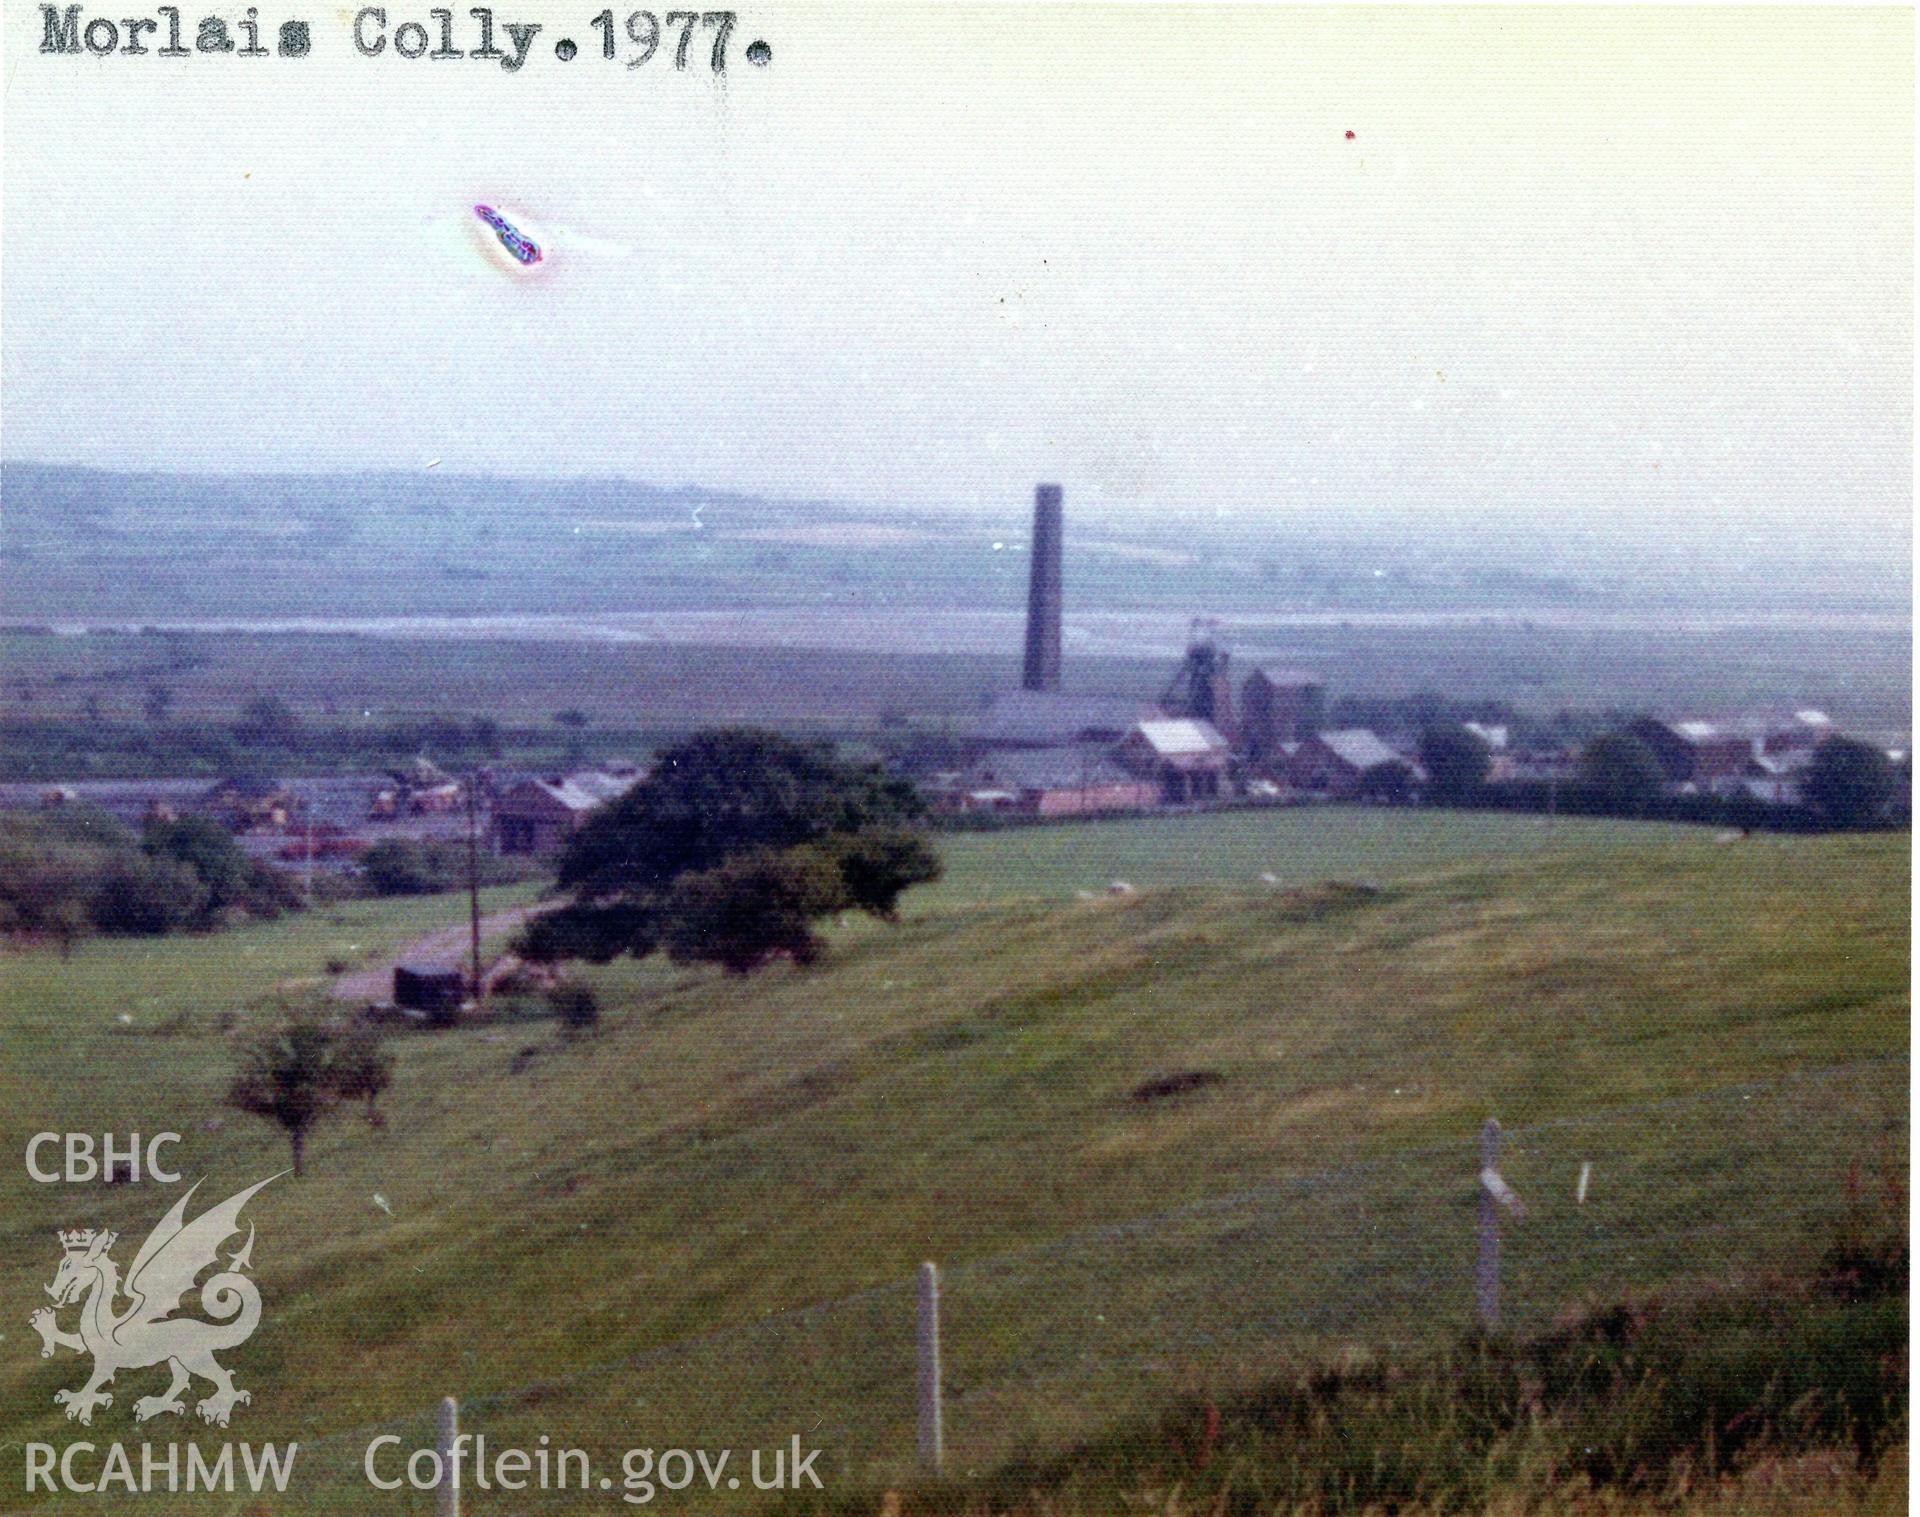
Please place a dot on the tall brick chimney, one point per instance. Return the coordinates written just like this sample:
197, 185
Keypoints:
1043, 593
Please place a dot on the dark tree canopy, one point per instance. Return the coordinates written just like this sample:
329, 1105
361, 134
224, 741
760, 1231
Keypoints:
1849, 783
1389, 782
209, 850
1455, 759
721, 793
1620, 772
755, 907
596, 932
810, 836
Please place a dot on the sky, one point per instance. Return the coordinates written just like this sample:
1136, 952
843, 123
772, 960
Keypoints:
1601, 267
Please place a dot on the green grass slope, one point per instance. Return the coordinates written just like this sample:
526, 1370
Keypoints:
607, 1239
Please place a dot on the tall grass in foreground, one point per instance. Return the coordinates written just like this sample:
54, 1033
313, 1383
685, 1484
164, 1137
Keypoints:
1784, 1395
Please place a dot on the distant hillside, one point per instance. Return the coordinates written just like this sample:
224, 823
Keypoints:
87, 543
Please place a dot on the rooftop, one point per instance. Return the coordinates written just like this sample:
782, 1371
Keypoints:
1360, 748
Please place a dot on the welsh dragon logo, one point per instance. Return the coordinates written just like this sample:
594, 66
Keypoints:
145, 1332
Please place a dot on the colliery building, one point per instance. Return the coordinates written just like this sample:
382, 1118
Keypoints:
1041, 752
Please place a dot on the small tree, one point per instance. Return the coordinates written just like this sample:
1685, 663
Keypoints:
1621, 773
362, 1067
295, 1073
754, 908
1455, 759
286, 1077
1849, 783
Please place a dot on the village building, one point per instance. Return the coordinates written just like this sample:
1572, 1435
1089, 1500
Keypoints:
1694, 754
1749, 754
1334, 763
537, 816
1065, 781
1187, 759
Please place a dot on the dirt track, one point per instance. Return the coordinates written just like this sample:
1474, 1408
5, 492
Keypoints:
450, 945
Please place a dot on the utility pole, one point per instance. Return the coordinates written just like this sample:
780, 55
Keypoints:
473, 875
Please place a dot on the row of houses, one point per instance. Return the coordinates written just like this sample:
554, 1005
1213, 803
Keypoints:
1757, 756
336, 817
1042, 753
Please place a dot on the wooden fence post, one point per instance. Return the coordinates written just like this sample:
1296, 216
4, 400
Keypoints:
449, 1505
932, 1435
1494, 1194
1486, 1279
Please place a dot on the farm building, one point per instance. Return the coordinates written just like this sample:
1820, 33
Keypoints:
537, 816
1067, 781
1333, 763
1188, 760
1277, 707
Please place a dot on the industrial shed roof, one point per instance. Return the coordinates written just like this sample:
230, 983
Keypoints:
1359, 748
1042, 719
1182, 737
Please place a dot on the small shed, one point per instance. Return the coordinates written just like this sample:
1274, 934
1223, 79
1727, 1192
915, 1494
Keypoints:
435, 989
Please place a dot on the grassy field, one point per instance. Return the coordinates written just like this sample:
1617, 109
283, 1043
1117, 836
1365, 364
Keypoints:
1294, 846
621, 1240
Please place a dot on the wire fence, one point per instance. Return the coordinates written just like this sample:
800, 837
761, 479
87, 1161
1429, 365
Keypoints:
1046, 1347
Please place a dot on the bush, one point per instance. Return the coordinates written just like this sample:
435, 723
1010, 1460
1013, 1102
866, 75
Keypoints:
406, 866
576, 1006
878, 864
401, 868
597, 934
138, 896
754, 908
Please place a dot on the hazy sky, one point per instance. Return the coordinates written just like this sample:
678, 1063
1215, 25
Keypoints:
1654, 263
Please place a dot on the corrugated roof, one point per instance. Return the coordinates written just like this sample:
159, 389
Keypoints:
1039, 718
1360, 748
1181, 736
601, 785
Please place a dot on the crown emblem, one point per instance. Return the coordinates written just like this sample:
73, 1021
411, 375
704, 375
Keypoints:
79, 1240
